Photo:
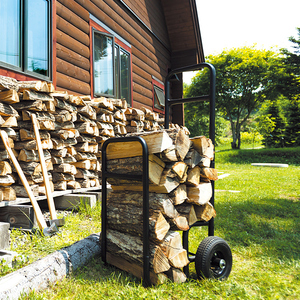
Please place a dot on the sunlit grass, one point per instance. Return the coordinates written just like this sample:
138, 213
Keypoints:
260, 223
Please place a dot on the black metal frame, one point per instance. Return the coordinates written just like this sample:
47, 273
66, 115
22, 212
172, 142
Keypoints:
211, 98
145, 174
145, 181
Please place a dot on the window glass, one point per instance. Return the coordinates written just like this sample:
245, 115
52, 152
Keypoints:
10, 32
36, 36
117, 70
103, 64
125, 75
159, 98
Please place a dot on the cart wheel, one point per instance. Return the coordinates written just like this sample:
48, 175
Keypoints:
213, 258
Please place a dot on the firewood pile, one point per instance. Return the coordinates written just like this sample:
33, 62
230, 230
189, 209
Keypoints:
72, 131
180, 189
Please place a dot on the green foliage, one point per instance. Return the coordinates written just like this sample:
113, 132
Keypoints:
292, 134
242, 84
290, 81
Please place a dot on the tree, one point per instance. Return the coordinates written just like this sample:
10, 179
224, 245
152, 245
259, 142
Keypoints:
243, 82
290, 81
292, 131
275, 137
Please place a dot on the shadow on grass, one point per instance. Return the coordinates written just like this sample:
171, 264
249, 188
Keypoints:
272, 223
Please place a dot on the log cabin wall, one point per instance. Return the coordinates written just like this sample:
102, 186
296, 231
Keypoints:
144, 30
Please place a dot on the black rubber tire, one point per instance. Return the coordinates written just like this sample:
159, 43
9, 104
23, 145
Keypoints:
213, 258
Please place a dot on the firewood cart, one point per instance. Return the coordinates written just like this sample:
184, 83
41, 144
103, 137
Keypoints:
213, 258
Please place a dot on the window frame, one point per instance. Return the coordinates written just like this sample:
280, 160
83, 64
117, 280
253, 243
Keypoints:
157, 83
95, 27
23, 69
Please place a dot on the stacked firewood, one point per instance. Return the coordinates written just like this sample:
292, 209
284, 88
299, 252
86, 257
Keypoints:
72, 130
142, 120
180, 189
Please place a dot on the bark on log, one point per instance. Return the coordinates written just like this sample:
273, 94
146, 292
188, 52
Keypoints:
120, 218
156, 201
156, 142
9, 97
131, 249
49, 269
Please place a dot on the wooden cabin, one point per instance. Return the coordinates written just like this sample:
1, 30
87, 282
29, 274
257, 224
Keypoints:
113, 48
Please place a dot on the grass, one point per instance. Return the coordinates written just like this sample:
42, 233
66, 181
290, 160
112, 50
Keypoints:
260, 223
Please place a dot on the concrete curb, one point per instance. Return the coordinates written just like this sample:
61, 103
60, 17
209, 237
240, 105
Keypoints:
49, 269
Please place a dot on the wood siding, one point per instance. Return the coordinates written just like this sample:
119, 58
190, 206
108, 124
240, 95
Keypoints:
151, 55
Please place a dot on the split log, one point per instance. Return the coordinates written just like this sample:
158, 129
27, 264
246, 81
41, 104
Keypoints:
134, 166
27, 135
35, 105
88, 165
187, 210
65, 134
193, 177
8, 83
20, 190
131, 185
159, 202
176, 275
119, 217
7, 110
62, 116
5, 168
205, 212
32, 155
181, 141
180, 169
65, 125
73, 185
4, 155
169, 154
67, 159
204, 146
9, 97
193, 158
59, 153
75, 100
10, 142
81, 173
87, 147
8, 193
62, 177
60, 185
59, 144
32, 95
65, 168
41, 116
84, 155
6, 180
179, 195
61, 104
102, 102
40, 86
199, 194
88, 111
209, 173
179, 223
156, 142
31, 145
8, 122
130, 248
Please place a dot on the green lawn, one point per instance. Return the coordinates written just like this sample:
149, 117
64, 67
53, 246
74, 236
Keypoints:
260, 223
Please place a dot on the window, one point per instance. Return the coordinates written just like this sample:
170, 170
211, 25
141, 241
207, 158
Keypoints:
111, 65
25, 36
158, 95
